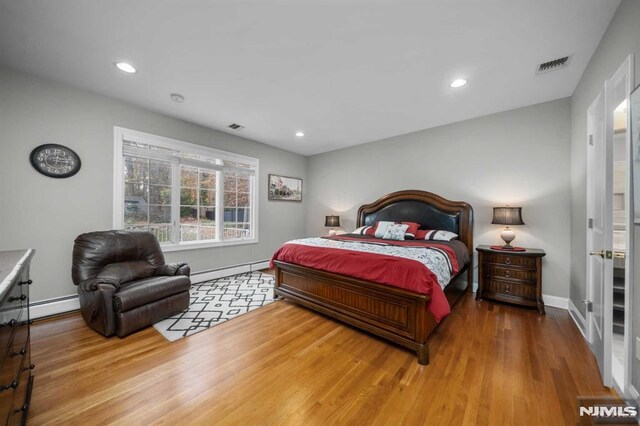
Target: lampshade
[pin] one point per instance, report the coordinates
(507, 216)
(332, 221)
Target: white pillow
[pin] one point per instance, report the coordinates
(382, 228)
(395, 232)
(440, 236)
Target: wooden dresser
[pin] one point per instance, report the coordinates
(16, 380)
(511, 276)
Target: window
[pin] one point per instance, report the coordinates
(188, 195)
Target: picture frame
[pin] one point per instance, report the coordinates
(285, 188)
(634, 110)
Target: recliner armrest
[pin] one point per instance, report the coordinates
(172, 269)
(93, 284)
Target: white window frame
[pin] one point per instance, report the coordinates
(122, 134)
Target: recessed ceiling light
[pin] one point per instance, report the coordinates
(125, 67)
(299, 134)
(458, 83)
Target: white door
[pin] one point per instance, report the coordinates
(599, 235)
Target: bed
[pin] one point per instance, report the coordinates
(396, 314)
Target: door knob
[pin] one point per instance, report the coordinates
(597, 253)
(619, 254)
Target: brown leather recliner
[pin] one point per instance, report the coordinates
(123, 282)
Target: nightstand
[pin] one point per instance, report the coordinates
(511, 276)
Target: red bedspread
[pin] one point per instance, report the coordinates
(387, 269)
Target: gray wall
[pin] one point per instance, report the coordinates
(621, 38)
(519, 157)
(47, 214)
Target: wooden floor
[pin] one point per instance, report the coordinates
(282, 364)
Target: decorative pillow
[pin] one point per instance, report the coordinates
(411, 230)
(381, 228)
(436, 235)
(363, 230)
(395, 231)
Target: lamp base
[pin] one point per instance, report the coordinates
(508, 248)
(332, 232)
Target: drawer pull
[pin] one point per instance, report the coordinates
(23, 409)
(13, 385)
(507, 288)
(20, 352)
(507, 260)
(507, 274)
(11, 323)
(13, 299)
(27, 282)
(30, 367)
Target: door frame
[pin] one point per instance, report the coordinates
(626, 69)
(599, 104)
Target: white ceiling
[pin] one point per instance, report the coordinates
(343, 72)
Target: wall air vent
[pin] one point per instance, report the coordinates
(236, 126)
(554, 65)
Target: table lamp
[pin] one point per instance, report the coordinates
(332, 222)
(507, 216)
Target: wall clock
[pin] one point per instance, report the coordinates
(56, 161)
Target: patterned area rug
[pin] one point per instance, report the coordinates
(217, 301)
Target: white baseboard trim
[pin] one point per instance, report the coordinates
(61, 305)
(555, 301)
(580, 321)
(213, 274)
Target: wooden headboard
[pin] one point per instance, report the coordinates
(431, 211)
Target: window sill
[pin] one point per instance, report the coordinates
(166, 248)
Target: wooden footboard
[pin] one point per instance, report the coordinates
(389, 312)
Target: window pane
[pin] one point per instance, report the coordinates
(188, 214)
(162, 232)
(136, 192)
(229, 182)
(159, 194)
(243, 184)
(229, 216)
(160, 214)
(188, 177)
(136, 169)
(243, 200)
(229, 199)
(188, 197)
(207, 233)
(188, 232)
(207, 215)
(207, 180)
(207, 198)
(159, 172)
(135, 213)
(244, 215)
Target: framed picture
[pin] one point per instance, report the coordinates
(284, 188)
(635, 151)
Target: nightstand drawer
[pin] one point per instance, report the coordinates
(527, 291)
(510, 260)
(492, 270)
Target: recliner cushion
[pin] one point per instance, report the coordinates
(122, 272)
(137, 293)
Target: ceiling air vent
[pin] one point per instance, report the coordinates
(236, 126)
(556, 64)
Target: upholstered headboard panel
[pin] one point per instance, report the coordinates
(429, 210)
(429, 216)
